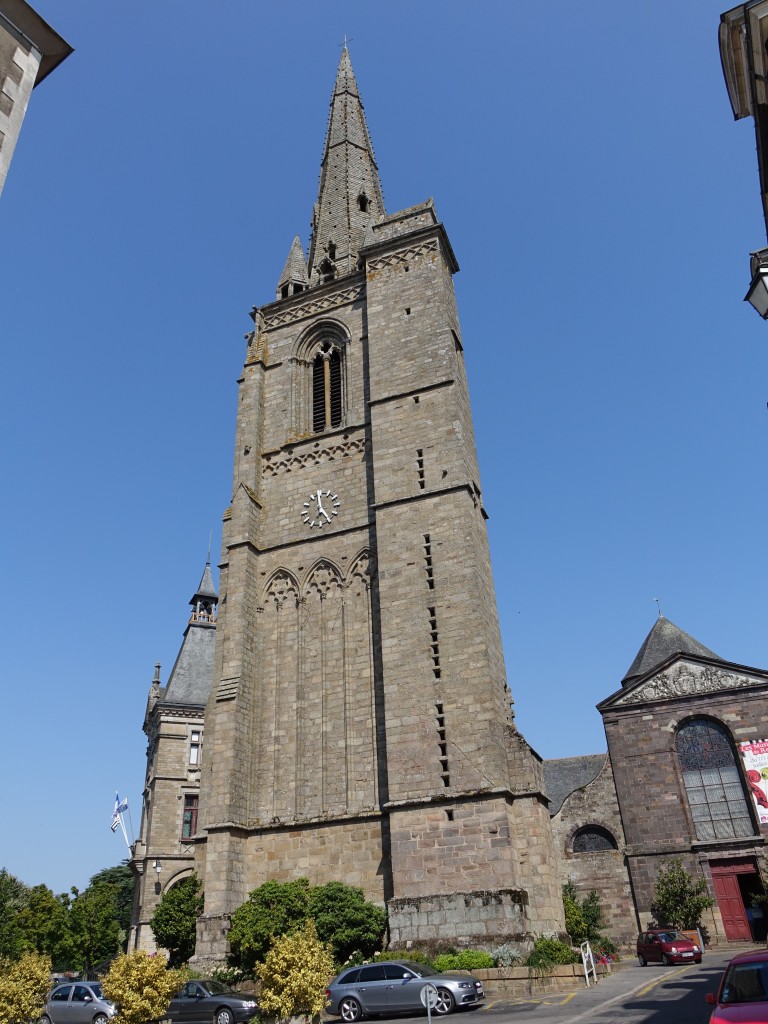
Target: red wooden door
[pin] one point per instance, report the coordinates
(731, 906)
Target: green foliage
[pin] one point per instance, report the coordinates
(583, 918)
(44, 924)
(344, 919)
(575, 922)
(24, 984)
(123, 879)
(549, 953)
(418, 956)
(142, 986)
(295, 974)
(13, 897)
(94, 926)
(174, 922)
(507, 955)
(466, 960)
(679, 900)
(275, 908)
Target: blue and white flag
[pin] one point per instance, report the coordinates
(120, 807)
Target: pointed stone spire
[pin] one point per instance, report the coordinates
(350, 193)
(294, 278)
(664, 640)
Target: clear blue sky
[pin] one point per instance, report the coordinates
(602, 203)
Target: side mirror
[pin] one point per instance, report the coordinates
(88, 999)
(710, 998)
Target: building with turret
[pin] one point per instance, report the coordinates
(163, 855)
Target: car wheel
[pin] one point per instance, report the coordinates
(350, 1010)
(44, 1020)
(665, 960)
(643, 961)
(224, 1016)
(100, 1018)
(444, 1002)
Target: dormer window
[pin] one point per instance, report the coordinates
(327, 270)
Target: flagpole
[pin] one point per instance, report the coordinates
(125, 834)
(130, 822)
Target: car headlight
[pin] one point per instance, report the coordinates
(695, 948)
(249, 1004)
(673, 949)
(465, 984)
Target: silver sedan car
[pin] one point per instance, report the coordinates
(396, 986)
(79, 1002)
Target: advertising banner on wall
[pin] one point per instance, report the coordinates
(755, 754)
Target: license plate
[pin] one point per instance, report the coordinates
(687, 954)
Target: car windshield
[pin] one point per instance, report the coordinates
(419, 969)
(671, 936)
(216, 988)
(95, 987)
(745, 983)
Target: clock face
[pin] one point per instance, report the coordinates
(320, 509)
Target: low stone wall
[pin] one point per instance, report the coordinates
(509, 982)
(478, 919)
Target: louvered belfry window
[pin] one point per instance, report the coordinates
(326, 389)
(712, 781)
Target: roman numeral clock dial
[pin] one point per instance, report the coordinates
(320, 508)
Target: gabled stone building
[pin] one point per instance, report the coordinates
(174, 724)
(683, 778)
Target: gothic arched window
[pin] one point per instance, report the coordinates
(326, 388)
(593, 838)
(712, 780)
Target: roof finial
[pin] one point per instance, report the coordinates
(344, 44)
(658, 605)
(210, 538)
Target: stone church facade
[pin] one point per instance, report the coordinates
(356, 718)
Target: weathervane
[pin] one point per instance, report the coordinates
(658, 605)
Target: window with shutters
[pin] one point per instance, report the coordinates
(326, 388)
(713, 782)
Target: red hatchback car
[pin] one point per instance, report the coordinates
(666, 946)
(743, 994)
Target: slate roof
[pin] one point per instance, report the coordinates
(664, 640)
(564, 775)
(206, 587)
(192, 675)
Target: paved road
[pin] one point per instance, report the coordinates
(634, 995)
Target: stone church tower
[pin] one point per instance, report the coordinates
(359, 727)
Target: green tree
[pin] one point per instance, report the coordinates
(44, 924)
(94, 926)
(295, 974)
(679, 900)
(346, 920)
(142, 986)
(13, 896)
(123, 879)
(575, 923)
(275, 908)
(174, 922)
(23, 987)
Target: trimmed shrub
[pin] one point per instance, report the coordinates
(466, 960)
(24, 984)
(142, 986)
(550, 953)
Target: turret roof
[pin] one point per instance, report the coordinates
(664, 640)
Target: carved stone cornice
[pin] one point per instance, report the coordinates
(687, 679)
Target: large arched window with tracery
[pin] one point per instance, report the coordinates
(713, 782)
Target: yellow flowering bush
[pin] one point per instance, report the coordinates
(295, 975)
(142, 986)
(24, 985)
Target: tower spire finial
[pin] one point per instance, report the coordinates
(350, 192)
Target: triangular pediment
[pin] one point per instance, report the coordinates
(686, 676)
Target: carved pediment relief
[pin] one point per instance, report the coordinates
(687, 679)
